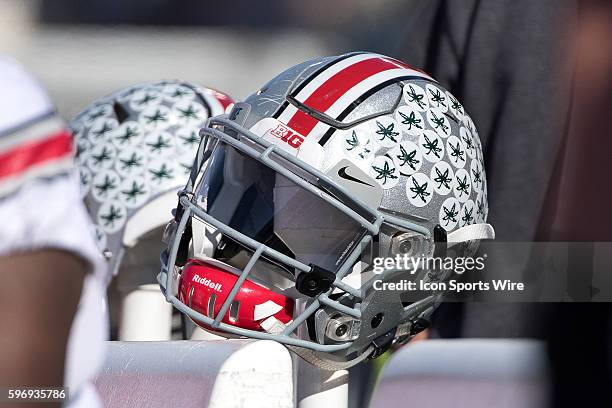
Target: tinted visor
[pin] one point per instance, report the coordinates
(264, 205)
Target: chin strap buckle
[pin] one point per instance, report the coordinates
(383, 343)
(418, 325)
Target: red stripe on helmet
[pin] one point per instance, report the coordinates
(404, 65)
(336, 86)
(223, 99)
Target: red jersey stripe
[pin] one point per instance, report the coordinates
(22, 158)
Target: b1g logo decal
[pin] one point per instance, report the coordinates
(287, 135)
(280, 135)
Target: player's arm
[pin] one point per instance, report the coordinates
(40, 293)
(44, 255)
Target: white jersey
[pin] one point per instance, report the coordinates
(39, 193)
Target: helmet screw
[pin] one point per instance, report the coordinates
(314, 282)
(405, 247)
(341, 330)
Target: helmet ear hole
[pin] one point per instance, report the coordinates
(377, 320)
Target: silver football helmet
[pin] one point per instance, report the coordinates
(333, 163)
(134, 150)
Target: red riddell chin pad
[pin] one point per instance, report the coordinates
(211, 287)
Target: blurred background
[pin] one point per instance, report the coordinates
(84, 49)
(535, 76)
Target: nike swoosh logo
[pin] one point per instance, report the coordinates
(342, 173)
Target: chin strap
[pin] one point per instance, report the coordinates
(470, 233)
(326, 361)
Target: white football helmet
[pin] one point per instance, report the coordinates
(333, 163)
(135, 149)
